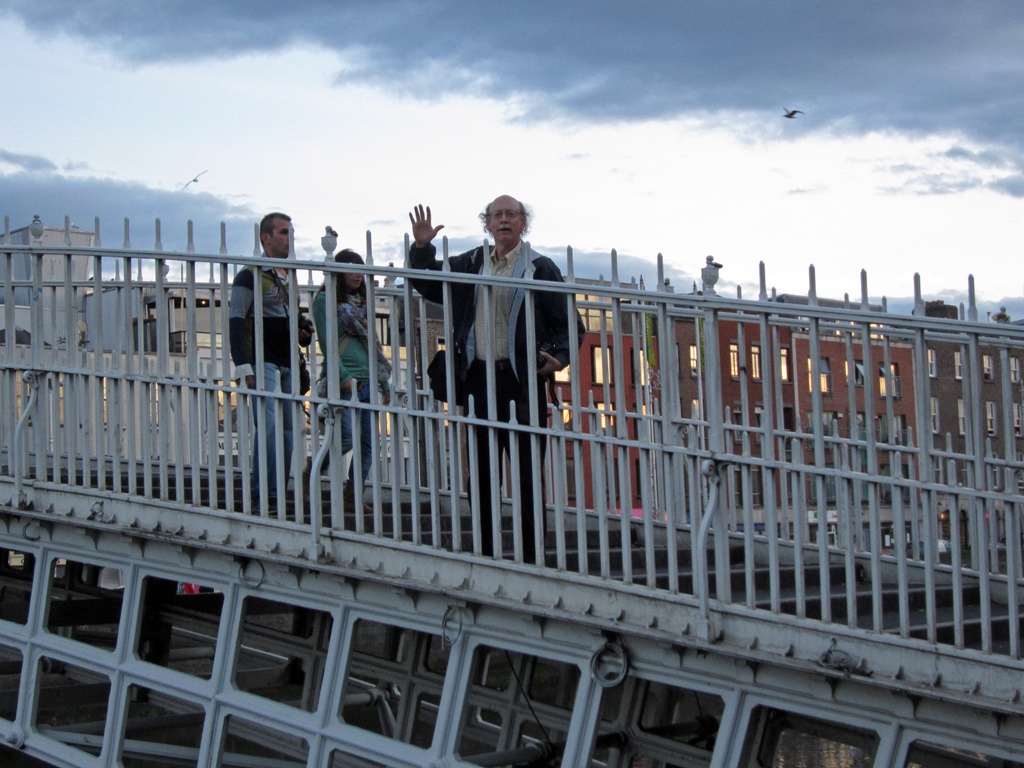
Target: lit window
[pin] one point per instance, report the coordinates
(784, 364)
(889, 384)
(958, 367)
(694, 360)
(1015, 370)
(824, 376)
(734, 360)
(986, 366)
(599, 360)
(755, 362)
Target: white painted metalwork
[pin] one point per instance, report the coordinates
(781, 496)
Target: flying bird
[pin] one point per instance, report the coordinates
(791, 113)
(195, 180)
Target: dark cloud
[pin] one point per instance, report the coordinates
(54, 196)
(28, 163)
(1011, 185)
(914, 66)
(984, 158)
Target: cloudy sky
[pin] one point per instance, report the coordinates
(645, 127)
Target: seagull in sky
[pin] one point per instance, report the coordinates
(791, 113)
(195, 180)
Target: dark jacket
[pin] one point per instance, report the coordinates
(277, 342)
(551, 309)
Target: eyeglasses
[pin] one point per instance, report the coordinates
(506, 214)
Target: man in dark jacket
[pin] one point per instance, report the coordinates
(275, 237)
(494, 327)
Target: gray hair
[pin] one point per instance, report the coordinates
(524, 210)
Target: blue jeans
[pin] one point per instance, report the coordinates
(350, 431)
(275, 379)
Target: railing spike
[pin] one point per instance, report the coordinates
(67, 230)
(918, 301)
(7, 230)
(223, 239)
(158, 245)
(812, 293)
(96, 233)
(615, 267)
(127, 240)
(972, 304)
(570, 269)
(762, 281)
(864, 302)
(189, 245)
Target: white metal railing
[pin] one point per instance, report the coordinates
(115, 376)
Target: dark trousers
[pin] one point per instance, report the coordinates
(508, 390)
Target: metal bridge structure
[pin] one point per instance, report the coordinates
(759, 537)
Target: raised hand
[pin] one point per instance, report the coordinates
(423, 230)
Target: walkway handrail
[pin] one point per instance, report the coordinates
(802, 465)
(327, 414)
(710, 469)
(19, 459)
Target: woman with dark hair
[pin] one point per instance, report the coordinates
(354, 360)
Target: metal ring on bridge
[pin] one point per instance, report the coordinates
(609, 665)
(456, 612)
